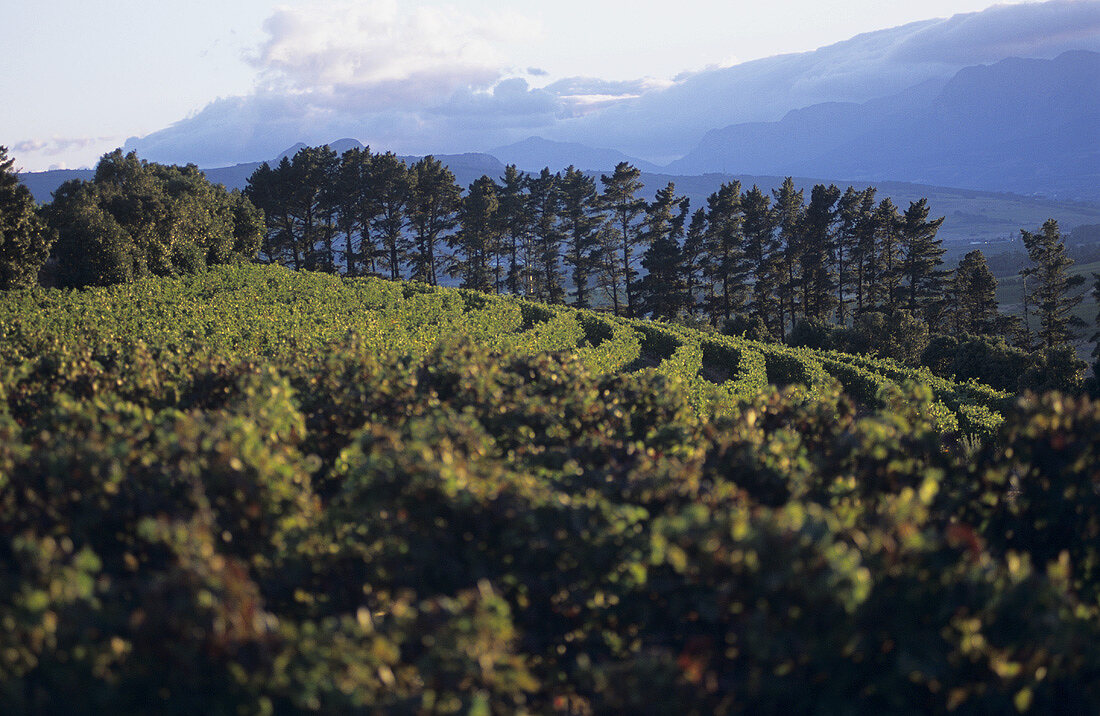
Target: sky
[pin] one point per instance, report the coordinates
(80, 77)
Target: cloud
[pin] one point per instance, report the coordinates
(376, 44)
(664, 123)
(1033, 30)
(434, 79)
(57, 145)
(413, 80)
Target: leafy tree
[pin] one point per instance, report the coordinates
(581, 220)
(620, 198)
(269, 189)
(92, 248)
(922, 253)
(299, 199)
(24, 241)
(1052, 292)
(154, 219)
(476, 238)
(433, 213)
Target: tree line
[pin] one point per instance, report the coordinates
(837, 269)
(133, 219)
(763, 261)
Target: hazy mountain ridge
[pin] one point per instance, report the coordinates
(1019, 125)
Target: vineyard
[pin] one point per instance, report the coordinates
(254, 490)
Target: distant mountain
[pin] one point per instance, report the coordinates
(1018, 125)
(339, 146)
(534, 153)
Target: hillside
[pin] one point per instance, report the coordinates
(256, 490)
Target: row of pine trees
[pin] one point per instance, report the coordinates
(772, 259)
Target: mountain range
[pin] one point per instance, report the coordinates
(1020, 125)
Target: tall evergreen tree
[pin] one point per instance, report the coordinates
(547, 237)
(1053, 288)
(515, 221)
(885, 288)
(24, 241)
(846, 248)
(727, 268)
(922, 256)
(818, 280)
(693, 260)
(313, 205)
(356, 209)
(620, 198)
(765, 260)
(433, 213)
(864, 256)
(581, 220)
(391, 185)
(476, 238)
(661, 291)
(790, 214)
(269, 190)
(976, 297)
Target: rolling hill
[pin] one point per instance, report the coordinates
(252, 489)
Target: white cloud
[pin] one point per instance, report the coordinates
(58, 145)
(377, 44)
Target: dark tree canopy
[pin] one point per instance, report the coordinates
(24, 241)
(137, 218)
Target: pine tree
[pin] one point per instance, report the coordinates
(762, 252)
(24, 241)
(885, 288)
(976, 297)
(313, 205)
(269, 190)
(356, 209)
(818, 280)
(1052, 290)
(661, 291)
(864, 256)
(846, 248)
(726, 263)
(476, 238)
(693, 259)
(546, 238)
(391, 185)
(581, 220)
(433, 213)
(922, 257)
(514, 216)
(620, 198)
(789, 216)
